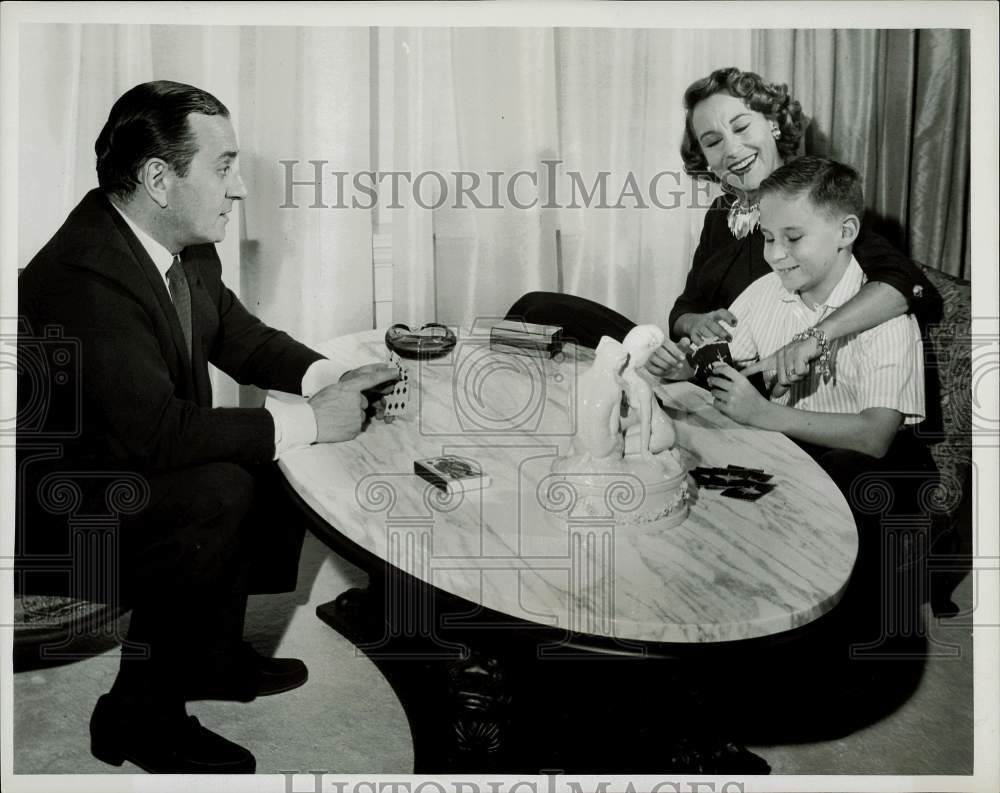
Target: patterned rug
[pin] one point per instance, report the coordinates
(59, 625)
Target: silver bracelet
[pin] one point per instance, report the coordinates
(823, 362)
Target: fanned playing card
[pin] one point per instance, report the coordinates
(715, 352)
(703, 357)
(397, 399)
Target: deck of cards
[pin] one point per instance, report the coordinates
(452, 473)
(735, 481)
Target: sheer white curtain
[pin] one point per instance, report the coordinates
(470, 100)
(594, 100)
(70, 75)
(294, 93)
(305, 97)
(418, 100)
(621, 110)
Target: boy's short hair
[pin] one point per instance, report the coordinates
(831, 186)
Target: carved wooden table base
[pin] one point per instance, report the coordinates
(482, 701)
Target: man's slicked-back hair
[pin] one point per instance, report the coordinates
(150, 120)
(831, 186)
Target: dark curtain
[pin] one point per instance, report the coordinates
(895, 105)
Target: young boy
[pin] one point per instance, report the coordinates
(810, 216)
(851, 418)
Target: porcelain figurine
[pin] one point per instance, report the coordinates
(599, 394)
(648, 429)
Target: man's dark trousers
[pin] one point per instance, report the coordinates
(210, 535)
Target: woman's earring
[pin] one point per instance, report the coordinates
(775, 132)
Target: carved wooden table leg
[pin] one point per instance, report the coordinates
(480, 699)
(476, 707)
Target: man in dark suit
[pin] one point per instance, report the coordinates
(133, 279)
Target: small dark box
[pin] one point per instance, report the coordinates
(526, 338)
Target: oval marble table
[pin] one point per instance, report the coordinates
(734, 570)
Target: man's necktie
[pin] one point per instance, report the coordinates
(181, 296)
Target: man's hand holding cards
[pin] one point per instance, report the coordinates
(387, 398)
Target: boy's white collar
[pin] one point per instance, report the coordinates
(847, 287)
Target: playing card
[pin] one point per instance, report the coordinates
(709, 482)
(748, 492)
(388, 400)
(732, 476)
(396, 400)
(751, 474)
(710, 478)
(708, 354)
(702, 358)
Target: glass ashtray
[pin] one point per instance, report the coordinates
(432, 340)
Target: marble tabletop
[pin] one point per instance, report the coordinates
(733, 570)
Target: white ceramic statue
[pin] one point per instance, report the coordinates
(648, 429)
(623, 463)
(606, 431)
(599, 395)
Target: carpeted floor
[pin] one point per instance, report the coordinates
(347, 720)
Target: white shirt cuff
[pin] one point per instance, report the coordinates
(294, 422)
(320, 374)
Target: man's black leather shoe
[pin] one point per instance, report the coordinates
(252, 675)
(169, 745)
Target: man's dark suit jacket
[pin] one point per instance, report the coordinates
(137, 405)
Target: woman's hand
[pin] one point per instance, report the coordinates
(669, 361)
(791, 363)
(701, 328)
(736, 397)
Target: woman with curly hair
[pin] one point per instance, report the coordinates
(738, 130)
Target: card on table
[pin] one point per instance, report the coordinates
(734, 481)
(753, 474)
(749, 492)
(730, 476)
(709, 478)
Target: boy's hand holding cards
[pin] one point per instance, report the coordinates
(704, 356)
(707, 355)
(734, 481)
